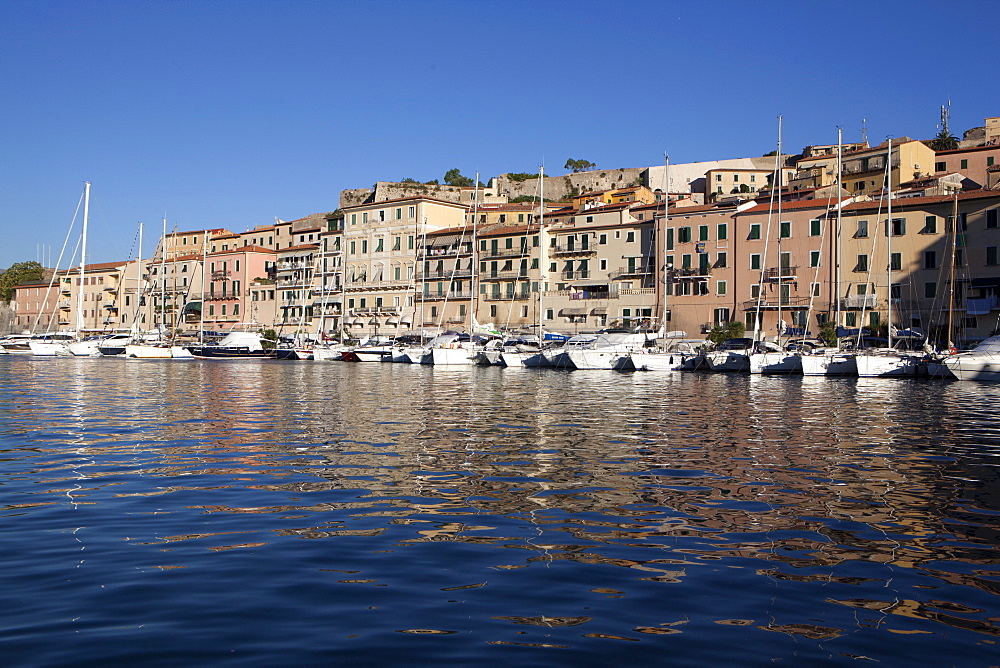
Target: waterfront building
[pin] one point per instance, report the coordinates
(601, 268)
(230, 273)
(328, 288)
(697, 287)
(380, 256)
(972, 163)
(294, 275)
(33, 306)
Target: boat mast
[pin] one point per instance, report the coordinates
(472, 279)
(204, 262)
(543, 245)
(781, 269)
(839, 247)
(888, 244)
(163, 279)
(83, 259)
(666, 224)
(951, 279)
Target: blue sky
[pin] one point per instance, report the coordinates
(230, 113)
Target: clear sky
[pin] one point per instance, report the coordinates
(224, 113)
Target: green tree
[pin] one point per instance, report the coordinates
(453, 177)
(579, 165)
(18, 273)
(735, 330)
(828, 332)
(409, 180)
(944, 141)
(268, 339)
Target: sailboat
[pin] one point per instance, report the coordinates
(887, 362)
(156, 349)
(834, 362)
(58, 345)
(768, 360)
(528, 354)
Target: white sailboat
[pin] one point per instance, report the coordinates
(158, 349)
(887, 362)
(762, 360)
(51, 347)
(834, 362)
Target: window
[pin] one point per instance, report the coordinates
(895, 262)
(815, 228)
(686, 261)
(755, 261)
(930, 260)
(378, 245)
(814, 289)
(754, 231)
(898, 226)
(964, 164)
(353, 247)
(862, 264)
(603, 239)
(862, 230)
(703, 233)
(721, 232)
(991, 255)
(991, 218)
(940, 166)
(813, 258)
(754, 291)
(930, 225)
(930, 290)
(411, 211)
(989, 163)
(785, 229)
(959, 257)
(720, 287)
(683, 235)
(721, 260)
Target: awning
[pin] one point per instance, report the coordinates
(600, 310)
(392, 321)
(193, 306)
(573, 311)
(985, 283)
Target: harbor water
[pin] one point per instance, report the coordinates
(179, 512)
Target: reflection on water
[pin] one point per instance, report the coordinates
(268, 512)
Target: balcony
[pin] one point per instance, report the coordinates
(859, 301)
(436, 296)
(774, 274)
(509, 274)
(504, 252)
(575, 275)
(572, 249)
(220, 275)
(624, 272)
(788, 303)
(689, 273)
(372, 311)
(511, 297)
(443, 274)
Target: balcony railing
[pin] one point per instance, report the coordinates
(443, 274)
(453, 294)
(504, 252)
(510, 273)
(859, 301)
(688, 273)
(565, 250)
(516, 296)
(783, 273)
(571, 275)
(790, 303)
(631, 271)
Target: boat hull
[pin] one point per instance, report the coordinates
(886, 366)
(836, 364)
(775, 362)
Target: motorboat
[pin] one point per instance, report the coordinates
(606, 348)
(236, 345)
(980, 363)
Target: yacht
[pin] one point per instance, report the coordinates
(980, 363)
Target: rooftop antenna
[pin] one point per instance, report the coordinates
(864, 130)
(945, 117)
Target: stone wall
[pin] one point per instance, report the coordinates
(566, 186)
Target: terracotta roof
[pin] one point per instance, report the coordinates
(299, 247)
(971, 149)
(920, 201)
(244, 249)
